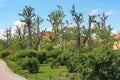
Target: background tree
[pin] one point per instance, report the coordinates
(91, 20)
(56, 20)
(8, 36)
(20, 37)
(37, 33)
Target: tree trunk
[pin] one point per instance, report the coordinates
(30, 36)
(78, 37)
(86, 40)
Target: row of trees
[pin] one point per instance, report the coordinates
(82, 34)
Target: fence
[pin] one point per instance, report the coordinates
(35, 76)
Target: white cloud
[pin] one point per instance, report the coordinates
(95, 11)
(1, 3)
(49, 29)
(13, 28)
(17, 23)
(114, 32)
(108, 12)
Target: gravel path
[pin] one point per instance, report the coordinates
(7, 74)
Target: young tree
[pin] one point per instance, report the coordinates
(78, 19)
(28, 14)
(8, 36)
(37, 33)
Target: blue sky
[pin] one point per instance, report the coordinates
(9, 10)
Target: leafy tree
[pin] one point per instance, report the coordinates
(56, 20)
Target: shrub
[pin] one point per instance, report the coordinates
(102, 64)
(23, 62)
(26, 53)
(4, 53)
(31, 64)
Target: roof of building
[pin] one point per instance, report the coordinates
(117, 36)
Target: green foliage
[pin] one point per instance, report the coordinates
(27, 59)
(52, 58)
(5, 53)
(42, 57)
(31, 64)
(54, 63)
(26, 53)
(73, 63)
(64, 57)
(101, 64)
(54, 53)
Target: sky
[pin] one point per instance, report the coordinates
(9, 10)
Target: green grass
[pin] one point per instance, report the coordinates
(45, 72)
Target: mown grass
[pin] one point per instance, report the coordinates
(45, 72)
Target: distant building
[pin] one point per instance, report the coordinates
(117, 43)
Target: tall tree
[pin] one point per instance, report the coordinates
(78, 19)
(56, 20)
(28, 14)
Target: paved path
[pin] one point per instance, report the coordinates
(7, 74)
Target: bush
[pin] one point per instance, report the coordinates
(4, 53)
(26, 53)
(27, 59)
(101, 65)
(31, 64)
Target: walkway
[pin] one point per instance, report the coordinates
(7, 74)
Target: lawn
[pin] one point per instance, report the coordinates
(45, 72)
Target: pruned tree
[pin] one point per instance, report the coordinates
(56, 19)
(28, 14)
(78, 19)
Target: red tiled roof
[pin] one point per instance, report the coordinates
(46, 36)
(117, 36)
